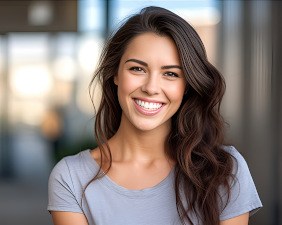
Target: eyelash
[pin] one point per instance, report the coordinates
(171, 74)
(136, 69)
(140, 69)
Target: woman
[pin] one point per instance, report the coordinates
(160, 157)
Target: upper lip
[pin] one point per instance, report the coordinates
(150, 100)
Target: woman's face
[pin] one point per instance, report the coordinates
(150, 82)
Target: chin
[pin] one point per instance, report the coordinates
(149, 126)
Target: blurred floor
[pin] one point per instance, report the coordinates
(23, 204)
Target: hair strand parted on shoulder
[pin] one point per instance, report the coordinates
(195, 142)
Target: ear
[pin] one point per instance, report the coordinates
(116, 80)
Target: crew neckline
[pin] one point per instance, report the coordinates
(167, 182)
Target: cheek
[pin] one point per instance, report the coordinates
(124, 89)
(128, 84)
(176, 93)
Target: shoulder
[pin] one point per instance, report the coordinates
(243, 196)
(74, 171)
(67, 182)
(240, 166)
(241, 173)
(233, 152)
(70, 164)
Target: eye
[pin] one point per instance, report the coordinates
(171, 74)
(136, 69)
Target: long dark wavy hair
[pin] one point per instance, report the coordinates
(195, 141)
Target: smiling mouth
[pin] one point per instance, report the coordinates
(150, 106)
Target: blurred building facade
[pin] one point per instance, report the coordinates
(250, 55)
(49, 53)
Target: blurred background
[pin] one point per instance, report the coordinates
(48, 53)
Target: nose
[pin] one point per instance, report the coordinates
(151, 85)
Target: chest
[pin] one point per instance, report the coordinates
(105, 203)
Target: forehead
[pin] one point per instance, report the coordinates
(152, 46)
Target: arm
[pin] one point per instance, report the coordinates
(68, 218)
(238, 220)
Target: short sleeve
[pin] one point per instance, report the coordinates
(61, 192)
(243, 197)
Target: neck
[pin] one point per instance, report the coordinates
(129, 143)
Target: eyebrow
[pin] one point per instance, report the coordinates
(146, 64)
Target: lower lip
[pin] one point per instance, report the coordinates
(147, 112)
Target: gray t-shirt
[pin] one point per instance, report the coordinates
(106, 203)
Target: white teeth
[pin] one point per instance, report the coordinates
(148, 105)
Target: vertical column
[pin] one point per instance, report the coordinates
(276, 68)
(230, 57)
(251, 50)
(5, 150)
(107, 8)
(258, 132)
